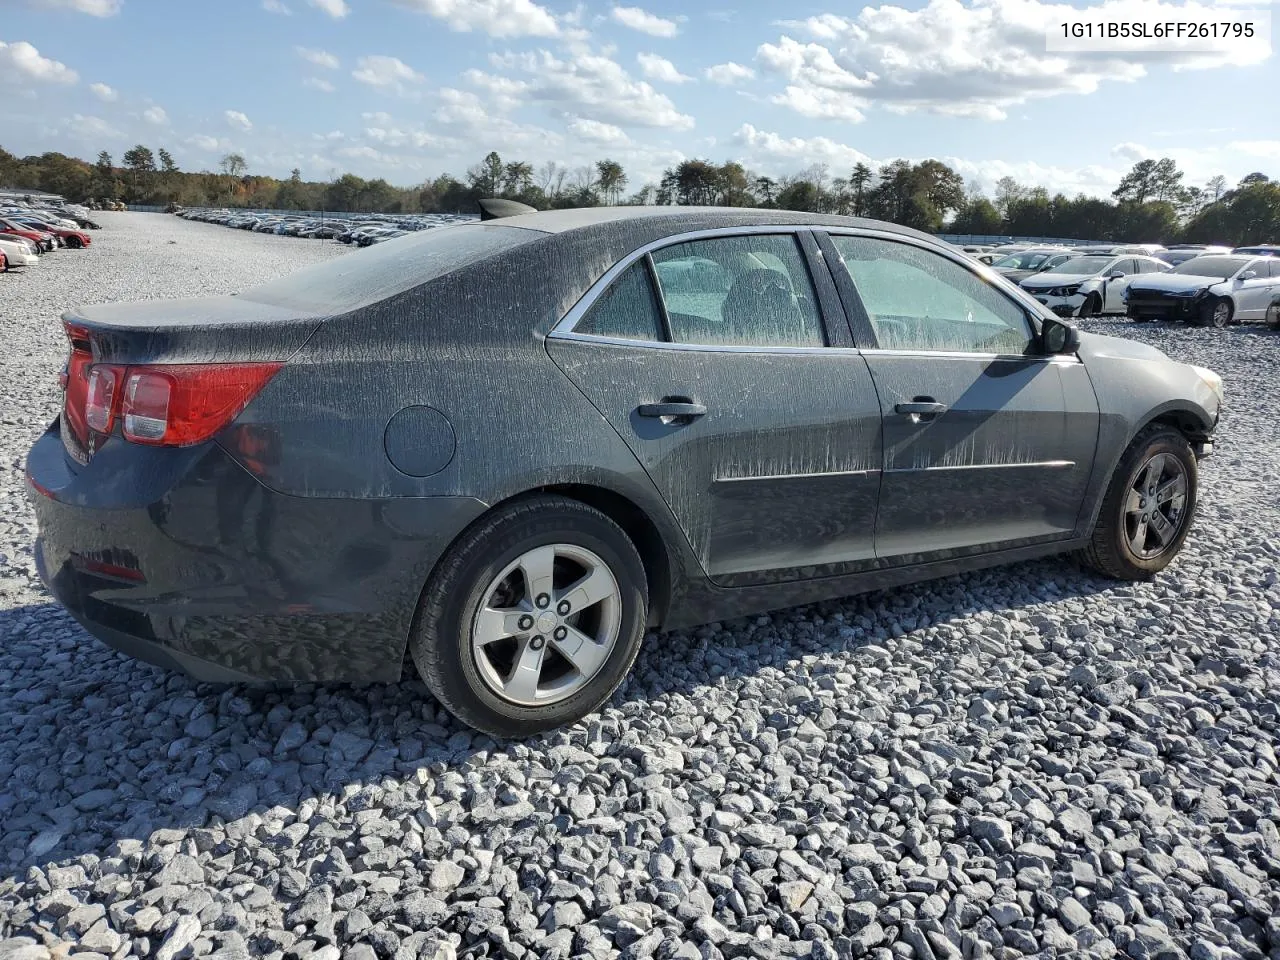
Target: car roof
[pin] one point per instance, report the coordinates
(679, 219)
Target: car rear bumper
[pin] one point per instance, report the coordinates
(225, 579)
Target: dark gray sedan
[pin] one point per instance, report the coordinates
(513, 448)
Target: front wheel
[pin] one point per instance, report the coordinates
(1147, 511)
(533, 618)
(1091, 307)
(1216, 313)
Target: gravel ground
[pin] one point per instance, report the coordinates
(1028, 761)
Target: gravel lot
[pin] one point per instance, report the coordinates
(1029, 761)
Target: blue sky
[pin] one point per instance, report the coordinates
(407, 89)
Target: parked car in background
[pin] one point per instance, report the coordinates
(1018, 266)
(45, 240)
(1090, 285)
(340, 491)
(1214, 289)
(18, 252)
(1264, 250)
(74, 238)
(1176, 257)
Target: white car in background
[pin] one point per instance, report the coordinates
(1090, 284)
(1211, 290)
(19, 252)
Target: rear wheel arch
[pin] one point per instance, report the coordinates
(641, 530)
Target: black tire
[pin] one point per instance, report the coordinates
(73, 243)
(1091, 307)
(440, 642)
(1216, 313)
(1109, 551)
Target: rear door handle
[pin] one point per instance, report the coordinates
(677, 410)
(919, 408)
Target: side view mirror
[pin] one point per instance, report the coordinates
(1115, 274)
(1059, 337)
(1248, 275)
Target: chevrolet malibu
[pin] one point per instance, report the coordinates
(506, 451)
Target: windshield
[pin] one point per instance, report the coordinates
(337, 286)
(1083, 265)
(1220, 267)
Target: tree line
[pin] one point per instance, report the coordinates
(1153, 202)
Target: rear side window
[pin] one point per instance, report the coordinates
(375, 273)
(747, 290)
(628, 310)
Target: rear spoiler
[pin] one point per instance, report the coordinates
(494, 208)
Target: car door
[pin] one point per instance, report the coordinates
(758, 424)
(1113, 290)
(1254, 295)
(988, 443)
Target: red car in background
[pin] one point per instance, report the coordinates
(72, 238)
(41, 238)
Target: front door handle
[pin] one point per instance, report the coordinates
(674, 409)
(920, 408)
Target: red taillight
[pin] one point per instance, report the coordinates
(162, 404)
(181, 404)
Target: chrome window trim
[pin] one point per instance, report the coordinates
(564, 328)
(573, 336)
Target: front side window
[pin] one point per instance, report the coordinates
(920, 300)
(740, 290)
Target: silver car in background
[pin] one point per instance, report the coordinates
(1090, 285)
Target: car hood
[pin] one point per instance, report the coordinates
(1045, 280)
(1174, 284)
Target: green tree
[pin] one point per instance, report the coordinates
(800, 195)
(978, 216)
(859, 183)
(610, 179)
(487, 176)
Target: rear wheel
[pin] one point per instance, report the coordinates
(1147, 511)
(533, 618)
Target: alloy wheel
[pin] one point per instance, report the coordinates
(1221, 313)
(548, 623)
(1155, 509)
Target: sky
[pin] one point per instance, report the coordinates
(409, 89)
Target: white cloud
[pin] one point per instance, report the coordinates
(155, 115)
(642, 20)
(321, 58)
(498, 18)
(91, 128)
(597, 132)
(22, 61)
(970, 59)
(587, 85)
(317, 83)
(275, 6)
(95, 8)
(334, 8)
(660, 68)
(238, 120)
(727, 74)
(388, 73)
(203, 142)
(103, 92)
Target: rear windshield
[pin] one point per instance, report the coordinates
(366, 276)
(1221, 267)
